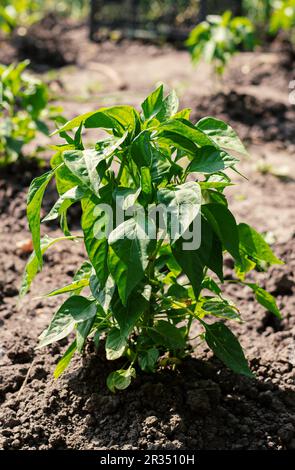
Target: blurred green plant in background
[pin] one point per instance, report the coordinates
(271, 16)
(283, 16)
(24, 110)
(268, 16)
(258, 11)
(16, 13)
(218, 38)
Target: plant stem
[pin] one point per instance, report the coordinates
(192, 316)
(189, 324)
(121, 169)
(148, 318)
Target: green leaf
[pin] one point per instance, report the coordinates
(96, 339)
(160, 167)
(166, 334)
(183, 114)
(107, 147)
(147, 360)
(178, 291)
(253, 244)
(103, 294)
(34, 202)
(168, 108)
(122, 117)
(128, 197)
(78, 138)
(214, 184)
(116, 118)
(220, 308)
(210, 284)
(88, 166)
(130, 246)
(120, 379)
(142, 149)
(214, 197)
(193, 262)
(244, 265)
(75, 309)
(183, 204)
(65, 179)
(226, 347)
(65, 360)
(83, 272)
(183, 134)
(32, 266)
(225, 227)
(265, 299)
(210, 160)
(152, 104)
(64, 202)
(72, 287)
(128, 316)
(166, 259)
(192, 265)
(222, 135)
(95, 224)
(116, 344)
(82, 332)
(145, 154)
(215, 258)
(146, 185)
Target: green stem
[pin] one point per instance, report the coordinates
(189, 324)
(71, 237)
(148, 317)
(187, 310)
(121, 169)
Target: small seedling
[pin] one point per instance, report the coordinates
(16, 13)
(24, 110)
(218, 38)
(20, 14)
(282, 16)
(151, 282)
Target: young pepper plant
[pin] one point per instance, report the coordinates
(24, 110)
(282, 17)
(145, 289)
(218, 38)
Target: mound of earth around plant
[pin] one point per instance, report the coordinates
(200, 406)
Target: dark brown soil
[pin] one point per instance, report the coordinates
(203, 405)
(47, 42)
(256, 119)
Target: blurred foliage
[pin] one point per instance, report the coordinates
(218, 38)
(271, 16)
(23, 110)
(258, 11)
(15, 13)
(178, 11)
(267, 15)
(283, 15)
